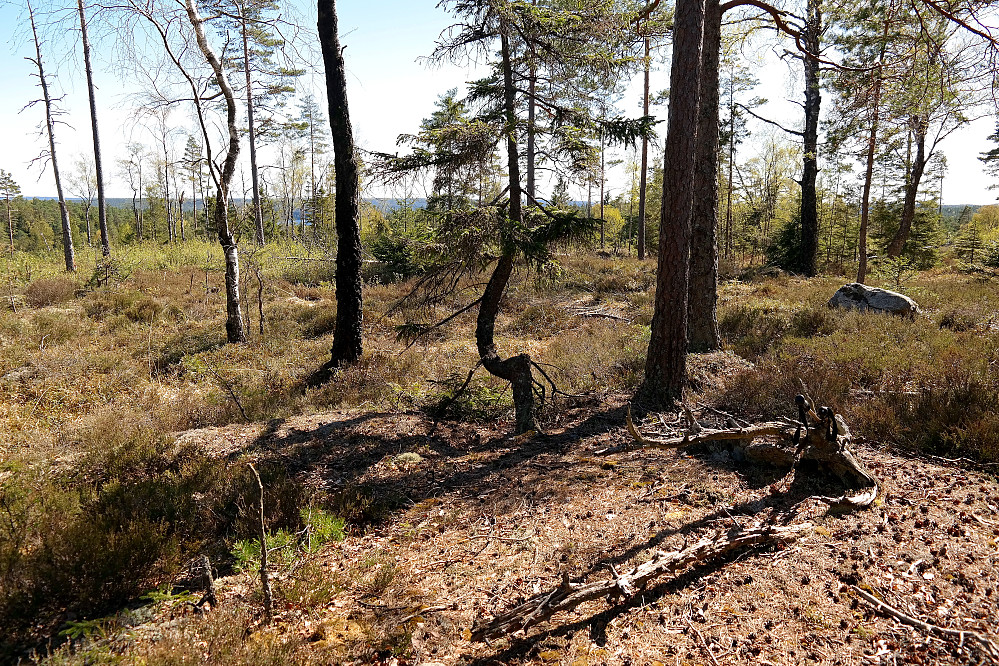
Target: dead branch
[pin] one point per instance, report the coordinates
(265, 583)
(568, 595)
(982, 643)
(708, 434)
(601, 314)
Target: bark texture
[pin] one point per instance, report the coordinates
(702, 303)
(810, 165)
(347, 341)
(666, 363)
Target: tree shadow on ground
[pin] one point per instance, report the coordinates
(461, 459)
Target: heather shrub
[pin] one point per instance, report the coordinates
(50, 291)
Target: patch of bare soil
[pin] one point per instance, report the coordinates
(477, 522)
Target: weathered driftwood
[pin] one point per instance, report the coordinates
(974, 639)
(825, 443)
(568, 596)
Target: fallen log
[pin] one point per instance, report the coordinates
(568, 595)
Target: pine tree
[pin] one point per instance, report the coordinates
(9, 189)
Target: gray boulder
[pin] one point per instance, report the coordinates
(861, 297)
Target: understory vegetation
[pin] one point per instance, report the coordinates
(103, 499)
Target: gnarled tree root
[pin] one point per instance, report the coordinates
(568, 596)
(826, 443)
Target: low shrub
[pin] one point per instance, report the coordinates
(540, 320)
(130, 303)
(50, 291)
(753, 330)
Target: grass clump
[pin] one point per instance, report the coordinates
(129, 303)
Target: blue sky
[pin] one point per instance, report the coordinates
(390, 90)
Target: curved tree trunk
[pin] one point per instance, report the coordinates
(234, 327)
(102, 218)
(69, 253)
(666, 363)
(517, 369)
(810, 165)
(347, 341)
(702, 303)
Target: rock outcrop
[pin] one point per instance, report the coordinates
(861, 297)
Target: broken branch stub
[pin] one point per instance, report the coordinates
(568, 595)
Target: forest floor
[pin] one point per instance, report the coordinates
(485, 520)
(127, 426)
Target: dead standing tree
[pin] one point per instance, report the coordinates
(50, 113)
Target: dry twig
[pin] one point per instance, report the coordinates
(987, 647)
(265, 583)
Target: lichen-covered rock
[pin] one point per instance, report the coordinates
(861, 297)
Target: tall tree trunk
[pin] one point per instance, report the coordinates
(86, 220)
(915, 175)
(666, 363)
(102, 218)
(872, 146)
(347, 340)
(258, 215)
(729, 242)
(702, 304)
(180, 211)
(138, 211)
(603, 153)
(166, 190)
(69, 253)
(810, 166)
(234, 326)
(531, 113)
(643, 181)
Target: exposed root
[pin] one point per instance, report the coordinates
(819, 435)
